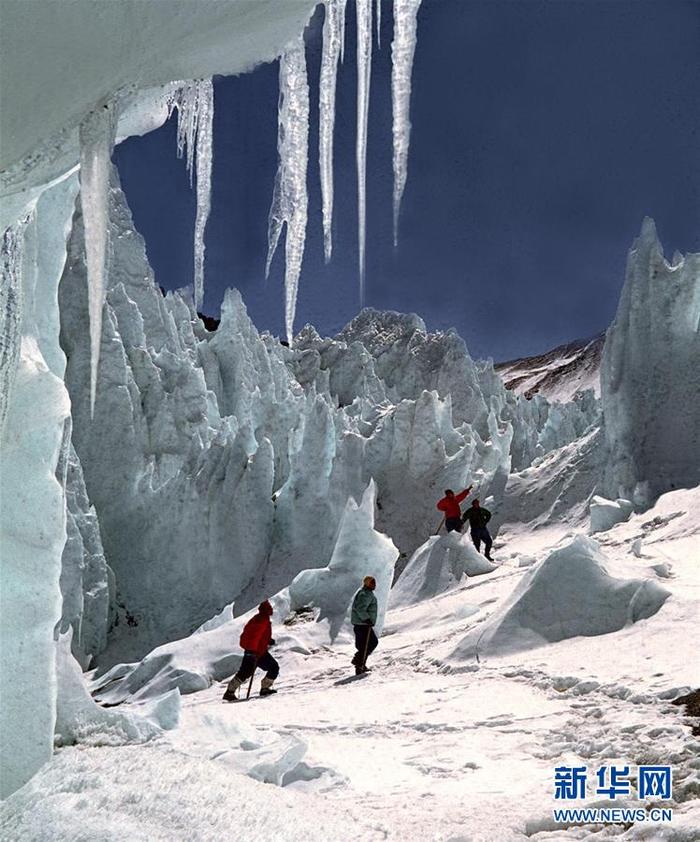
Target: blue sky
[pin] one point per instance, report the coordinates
(543, 133)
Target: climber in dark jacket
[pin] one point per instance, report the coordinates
(363, 618)
(478, 517)
(450, 506)
(255, 639)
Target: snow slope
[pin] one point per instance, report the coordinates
(558, 374)
(425, 747)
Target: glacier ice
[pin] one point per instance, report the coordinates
(567, 595)
(32, 516)
(219, 458)
(333, 36)
(650, 379)
(290, 198)
(364, 75)
(195, 121)
(403, 49)
(87, 582)
(80, 720)
(436, 567)
(11, 257)
(96, 141)
(606, 513)
(359, 551)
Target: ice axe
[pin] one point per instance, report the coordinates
(440, 527)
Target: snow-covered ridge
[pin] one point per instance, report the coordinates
(558, 374)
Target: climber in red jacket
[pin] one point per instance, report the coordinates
(450, 506)
(255, 639)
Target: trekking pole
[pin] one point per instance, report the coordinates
(250, 683)
(364, 654)
(440, 527)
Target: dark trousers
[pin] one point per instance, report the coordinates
(248, 666)
(453, 524)
(364, 636)
(480, 534)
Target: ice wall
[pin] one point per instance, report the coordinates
(87, 582)
(32, 524)
(650, 378)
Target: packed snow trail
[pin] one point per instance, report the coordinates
(96, 142)
(290, 198)
(403, 49)
(333, 36)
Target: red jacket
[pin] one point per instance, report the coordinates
(450, 505)
(257, 634)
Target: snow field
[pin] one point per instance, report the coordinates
(424, 747)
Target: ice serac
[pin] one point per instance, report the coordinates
(438, 566)
(569, 594)
(195, 120)
(403, 49)
(364, 73)
(32, 516)
(290, 198)
(359, 551)
(650, 378)
(96, 141)
(87, 583)
(333, 35)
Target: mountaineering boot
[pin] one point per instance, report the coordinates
(266, 687)
(233, 685)
(361, 670)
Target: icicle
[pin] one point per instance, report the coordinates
(364, 70)
(96, 141)
(204, 161)
(195, 118)
(186, 100)
(341, 29)
(379, 23)
(290, 199)
(332, 41)
(11, 255)
(402, 51)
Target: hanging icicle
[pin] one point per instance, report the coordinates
(96, 142)
(11, 259)
(204, 163)
(332, 40)
(364, 71)
(290, 199)
(379, 23)
(403, 49)
(195, 119)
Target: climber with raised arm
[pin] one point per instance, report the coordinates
(478, 517)
(363, 618)
(450, 506)
(255, 640)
